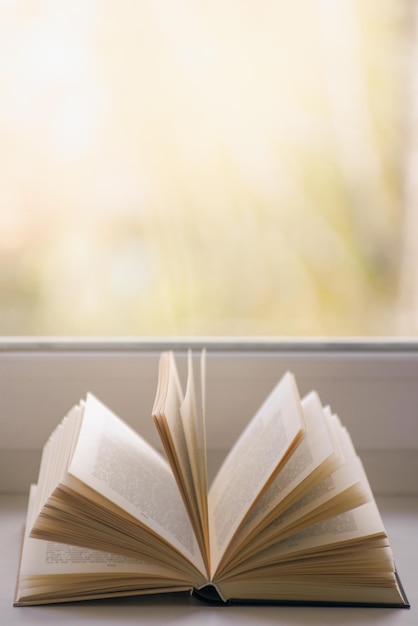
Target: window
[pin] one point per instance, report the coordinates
(220, 168)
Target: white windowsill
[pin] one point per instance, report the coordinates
(372, 385)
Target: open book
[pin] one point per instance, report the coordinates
(288, 518)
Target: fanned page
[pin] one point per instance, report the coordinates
(345, 559)
(56, 572)
(313, 458)
(323, 477)
(192, 412)
(356, 529)
(180, 424)
(259, 453)
(115, 471)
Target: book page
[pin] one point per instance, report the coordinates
(117, 463)
(56, 455)
(192, 413)
(51, 572)
(324, 466)
(180, 425)
(314, 456)
(253, 462)
(50, 558)
(167, 418)
(336, 494)
(345, 487)
(361, 525)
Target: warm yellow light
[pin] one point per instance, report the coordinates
(191, 162)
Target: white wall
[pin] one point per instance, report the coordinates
(372, 386)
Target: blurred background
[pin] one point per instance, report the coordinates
(186, 167)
